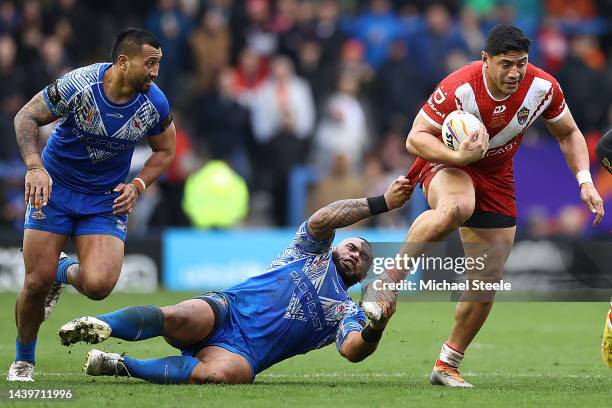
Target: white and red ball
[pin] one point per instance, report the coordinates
(457, 127)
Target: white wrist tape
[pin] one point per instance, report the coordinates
(584, 176)
(142, 183)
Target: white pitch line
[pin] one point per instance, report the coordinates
(390, 375)
(362, 375)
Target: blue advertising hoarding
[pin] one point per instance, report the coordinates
(204, 260)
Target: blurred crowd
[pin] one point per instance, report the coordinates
(296, 102)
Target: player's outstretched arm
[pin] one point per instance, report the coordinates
(164, 147)
(574, 149)
(34, 114)
(339, 214)
(360, 344)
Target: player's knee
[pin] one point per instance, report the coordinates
(174, 317)
(215, 377)
(452, 214)
(97, 291)
(37, 285)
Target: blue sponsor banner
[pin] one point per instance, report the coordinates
(204, 260)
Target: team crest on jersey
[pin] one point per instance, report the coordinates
(34, 214)
(522, 115)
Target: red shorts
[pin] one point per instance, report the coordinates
(495, 205)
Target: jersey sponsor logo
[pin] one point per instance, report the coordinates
(114, 145)
(114, 115)
(501, 150)
(499, 109)
(33, 214)
(522, 115)
(120, 225)
(439, 96)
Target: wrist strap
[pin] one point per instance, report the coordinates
(140, 182)
(370, 335)
(377, 204)
(584, 176)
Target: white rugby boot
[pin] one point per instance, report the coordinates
(101, 363)
(87, 329)
(20, 371)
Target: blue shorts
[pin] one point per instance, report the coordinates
(72, 213)
(226, 333)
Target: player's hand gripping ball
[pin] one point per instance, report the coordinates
(457, 127)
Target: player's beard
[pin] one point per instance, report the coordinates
(348, 278)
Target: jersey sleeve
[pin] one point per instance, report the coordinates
(440, 103)
(307, 244)
(163, 108)
(557, 107)
(58, 94)
(353, 320)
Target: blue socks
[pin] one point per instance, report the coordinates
(135, 322)
(144, 322)
(167, 370)
(62, 269)
(26, 352)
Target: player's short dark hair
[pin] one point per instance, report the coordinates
(505, 38)
(130, 42)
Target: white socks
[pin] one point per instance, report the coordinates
(450, 356)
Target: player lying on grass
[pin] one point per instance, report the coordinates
(299, 304)
(604, 153)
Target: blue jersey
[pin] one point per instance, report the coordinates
(91, 148)
(299, 304)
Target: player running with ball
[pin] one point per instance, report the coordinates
(472, 189)
(76, 188)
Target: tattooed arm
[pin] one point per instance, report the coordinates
(323, 223)
(27, 121)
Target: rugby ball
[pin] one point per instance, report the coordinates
(457, 126)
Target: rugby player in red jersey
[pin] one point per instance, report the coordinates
(473, 188)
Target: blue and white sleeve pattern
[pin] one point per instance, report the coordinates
(305, 243)
(158, 99)
(60, 93)
(354, 320)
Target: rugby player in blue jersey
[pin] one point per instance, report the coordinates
(300, 303)
(77, 188)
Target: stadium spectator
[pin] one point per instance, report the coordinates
(222, 125)
(587, 62)
(210, 48)
(376, 28)
(343, 129)
(439, 38)
(250, 74)
(283, 119)
(258, 35)
(399, 90)
(327, 32)
(341, 182)
(172, 27)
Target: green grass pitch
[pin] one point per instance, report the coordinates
(528, 354)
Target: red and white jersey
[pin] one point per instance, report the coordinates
(507, 119)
